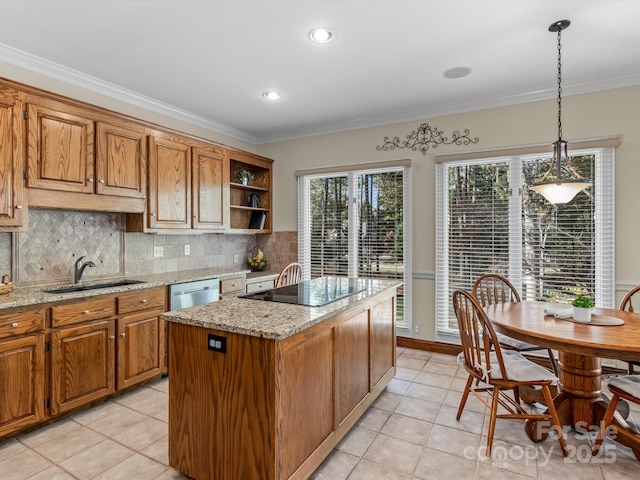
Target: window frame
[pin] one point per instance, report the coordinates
(604, 224)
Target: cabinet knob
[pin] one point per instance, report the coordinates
(152, 214)
(18, 207)
(144, 300)
(86, 312)
(112, 337)
(123, 334)
(14, 325)
(101, 180)
(90, 180)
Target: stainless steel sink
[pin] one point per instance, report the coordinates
(81, 288)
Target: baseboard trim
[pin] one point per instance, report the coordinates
(429, 345)
(452, 349)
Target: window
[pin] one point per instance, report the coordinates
(356, 224)
(489, 221)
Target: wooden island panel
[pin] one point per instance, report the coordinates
(271, 409)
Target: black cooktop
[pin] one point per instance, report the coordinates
(312, 293)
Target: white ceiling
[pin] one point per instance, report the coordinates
(209, 61)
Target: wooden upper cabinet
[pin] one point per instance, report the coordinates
(121, 160)
(210, 188)
(60, 148)
(169, 184)
(11, 159)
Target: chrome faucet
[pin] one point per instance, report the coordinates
(79, 269)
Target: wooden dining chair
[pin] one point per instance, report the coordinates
(627, 305)
(492, 288)
(289, 275)
(625, 387)
(497, 372)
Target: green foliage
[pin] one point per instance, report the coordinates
(583, 302)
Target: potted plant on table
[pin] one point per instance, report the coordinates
(582, 307)
(245, 176)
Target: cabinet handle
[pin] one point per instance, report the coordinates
(18, 207)
(112, 337)
(101, 180)
(144, 300)
(123, 334)
(86, 312)
(90, 180)
(14, 325)
(152, 214)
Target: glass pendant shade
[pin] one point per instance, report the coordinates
(560, 192)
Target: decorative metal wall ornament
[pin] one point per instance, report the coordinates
(427, 136)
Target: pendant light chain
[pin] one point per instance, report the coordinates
(559, 86)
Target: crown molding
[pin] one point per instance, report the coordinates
(59, 72)
(455, 108)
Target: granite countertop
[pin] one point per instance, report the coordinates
(271, 319)
(25, 296)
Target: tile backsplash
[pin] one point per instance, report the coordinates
(57, 238)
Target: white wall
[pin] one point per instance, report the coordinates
(603, 114)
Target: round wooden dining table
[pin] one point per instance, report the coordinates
(580, 347)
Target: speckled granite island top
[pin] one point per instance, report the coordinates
(272, 319)
(25, 296)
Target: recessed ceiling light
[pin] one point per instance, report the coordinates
(321, 35)
(457, 72)
(272, 95)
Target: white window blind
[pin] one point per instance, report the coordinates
(357, 224)
(489, 221)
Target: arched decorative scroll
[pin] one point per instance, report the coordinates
(427, 136)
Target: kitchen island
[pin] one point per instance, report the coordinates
(265, 390)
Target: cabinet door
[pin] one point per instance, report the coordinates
(21, 382)
(121, 160)
(60, 149)
(352, 363)
(383, 339)
(169, 184)
(210, 189)
(82, 364)
(11, 160)
(141, 347)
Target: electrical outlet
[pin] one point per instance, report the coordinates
(236, 258)
(158, 251)
(416, 328)
(187, 249)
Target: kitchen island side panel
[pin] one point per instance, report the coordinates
(221, 405)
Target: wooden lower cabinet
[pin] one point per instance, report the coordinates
(274, 409)
(22, 385)
(141, 347)
(82, 364)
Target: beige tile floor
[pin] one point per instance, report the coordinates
(410, 433)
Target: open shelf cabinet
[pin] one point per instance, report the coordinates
(239, 194)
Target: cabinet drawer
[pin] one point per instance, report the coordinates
(142, 300)
(235, 284)
(259, 286)
(81, 312)
(12, 324)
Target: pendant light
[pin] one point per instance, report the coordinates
(558, 190)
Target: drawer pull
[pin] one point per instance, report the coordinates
(144, 300)
(123, 335)
(19, 207)
(86, 312)
(14, 325)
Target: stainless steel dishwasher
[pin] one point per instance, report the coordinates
(189, 294)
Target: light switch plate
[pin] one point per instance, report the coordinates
(158, 251)
(236, 258)
(187, 249)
